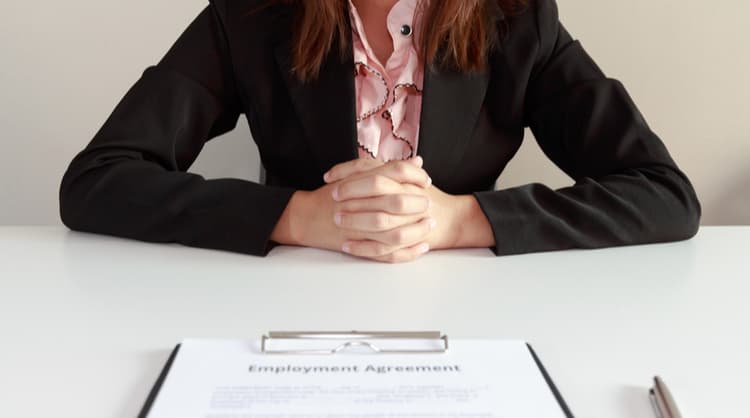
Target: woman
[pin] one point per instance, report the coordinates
(382, 126)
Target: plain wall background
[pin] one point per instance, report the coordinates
(66, 64)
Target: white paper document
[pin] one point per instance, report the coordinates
(473, 379)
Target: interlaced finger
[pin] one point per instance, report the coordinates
(374, 221)
(396, 204)
(383, 243)
(346, 169)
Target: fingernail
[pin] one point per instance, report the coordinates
(423, 248)
(337, 219)
(419, 161)
(433, 223)
(429, 181)
(335, 193)
(326, 176)
(347, 247)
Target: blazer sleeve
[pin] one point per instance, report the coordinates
(131, 179)
(627, 189)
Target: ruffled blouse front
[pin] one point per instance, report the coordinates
(388, 97)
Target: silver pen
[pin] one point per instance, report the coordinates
(662, 400)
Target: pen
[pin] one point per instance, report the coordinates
(662, 400)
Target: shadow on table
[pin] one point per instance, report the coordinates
(633, 402)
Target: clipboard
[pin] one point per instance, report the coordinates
(348, 340)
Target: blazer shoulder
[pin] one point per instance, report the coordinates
(532, 31)
(536, 16)
(244, 9)
(249, 20)
(251, 4)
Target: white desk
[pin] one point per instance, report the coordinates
(86, 322)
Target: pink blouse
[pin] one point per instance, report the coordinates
(388, 97)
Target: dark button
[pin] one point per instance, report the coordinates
(406, 30)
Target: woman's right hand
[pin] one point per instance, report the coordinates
(392, 217)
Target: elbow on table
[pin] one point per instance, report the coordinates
(76, 210)
(687, 225)
(683, 220)
(70, 208)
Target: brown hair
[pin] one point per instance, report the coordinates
(459, 35)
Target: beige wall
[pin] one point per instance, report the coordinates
(65, 64)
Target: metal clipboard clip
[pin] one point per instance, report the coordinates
(335, 341)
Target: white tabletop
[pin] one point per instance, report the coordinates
(86, 322)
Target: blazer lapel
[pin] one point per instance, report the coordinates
(325, 106)
(451, 103)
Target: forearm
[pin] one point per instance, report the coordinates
(308, 221)
(115, 193)
(287, 229)
(472, 227)
(640, 206)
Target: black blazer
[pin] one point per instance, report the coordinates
(131, 180)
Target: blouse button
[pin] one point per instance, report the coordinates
(406, 30)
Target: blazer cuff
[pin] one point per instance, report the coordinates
(510, 223)
(244, 224)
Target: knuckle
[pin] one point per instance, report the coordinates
(359, 249)
(381, 220)
(401, 168)
(406, 256)
(392, 258)
(378, 183)
(398, 203)
(360, 164)
(382, 250)
(409, 256)
(342, 208)
(415, 190)
(372, 182)
(400, 236)
(343, 188)
(425, 203)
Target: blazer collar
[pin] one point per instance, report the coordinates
(326, 107)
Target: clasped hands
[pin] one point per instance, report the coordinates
(388, 212)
